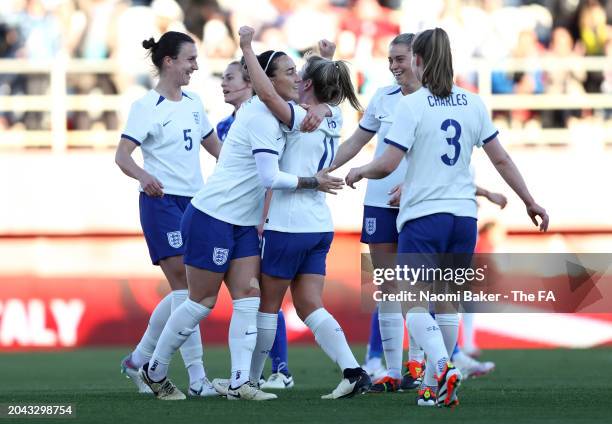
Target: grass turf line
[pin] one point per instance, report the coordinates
(560, 386)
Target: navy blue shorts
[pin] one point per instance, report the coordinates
(285, 255)
(379, 225)
(211, 243)
(160, 218)
(437, 234)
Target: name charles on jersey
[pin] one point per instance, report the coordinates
(452, 100)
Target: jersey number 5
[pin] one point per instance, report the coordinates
(187, 139)
(452, 141)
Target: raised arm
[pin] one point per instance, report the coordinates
(123, 158)
(511, 175)
(261, 83)
(351, 146)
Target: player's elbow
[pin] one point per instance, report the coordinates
(387, 167)
(118, 159)
(267, 180)
(501, 161)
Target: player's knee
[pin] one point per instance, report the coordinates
(241, 293)
(305, 308)
(208, 301)
(249, 290)
(269, 306)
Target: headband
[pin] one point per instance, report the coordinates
(270, 60)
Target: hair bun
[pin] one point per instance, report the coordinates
(149, 44)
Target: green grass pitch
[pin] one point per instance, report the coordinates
(538, 386)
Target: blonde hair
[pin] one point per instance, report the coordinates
(433, 46)
(331, 81)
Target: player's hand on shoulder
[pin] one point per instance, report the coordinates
(314, 116)
(536, 211)
(327, 49)
(395, 195)
(328, 183)
(246, 34)
(151, 185)
(353, 176)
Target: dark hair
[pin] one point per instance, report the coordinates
(433, 46)
(169, 44)
(405, 38)
(267, 61)
(331, 81)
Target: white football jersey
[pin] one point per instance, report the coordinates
(438, 136)
(169, 134)
(378, 119)
(233, 193)
(305, 211)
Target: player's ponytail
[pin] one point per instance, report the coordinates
(168, 45)
(331, 81)
(433, 46)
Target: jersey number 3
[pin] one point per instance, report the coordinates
(452, 141)
(187, 139)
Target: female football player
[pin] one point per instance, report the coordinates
(237, 89)
(168, 124)
(299, 229)
(435, 130)
(221, 241)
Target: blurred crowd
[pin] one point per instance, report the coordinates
(491, 29)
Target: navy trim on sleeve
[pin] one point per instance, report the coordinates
(489, 138)
(132, 139)
(292, 116)
(161, 99)
(185, 95)
(209, 133)
(394, 92)
(274, 152)
(393, 143)
(365, 129)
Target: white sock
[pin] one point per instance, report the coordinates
(449, 327)
(415, 353)
(427, 334)
(179, 327)
(159, 316)
(191, 350)
(468, 331)
(392, 336)
(242, 338)
(429, 379)
(266, 333)
(330, 337)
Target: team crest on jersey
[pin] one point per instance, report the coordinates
(220, 255)
(196, 117)
(370, 226)
(175, 239)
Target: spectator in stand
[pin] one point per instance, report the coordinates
(593, 31)
(563, 81)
